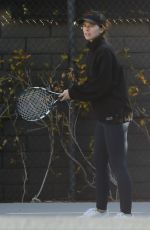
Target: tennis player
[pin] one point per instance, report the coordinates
(106, 89)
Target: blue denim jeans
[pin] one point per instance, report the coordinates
(111, 147)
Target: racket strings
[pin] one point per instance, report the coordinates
(35, 104)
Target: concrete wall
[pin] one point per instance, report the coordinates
(46, 43)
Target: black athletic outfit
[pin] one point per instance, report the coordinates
(106, 89)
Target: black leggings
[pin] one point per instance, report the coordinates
(111, 146)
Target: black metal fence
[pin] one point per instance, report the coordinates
(50, 10)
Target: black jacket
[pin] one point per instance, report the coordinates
(105, 87)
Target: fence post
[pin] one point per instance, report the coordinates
(71, 40)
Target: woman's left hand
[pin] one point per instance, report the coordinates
(64, 95)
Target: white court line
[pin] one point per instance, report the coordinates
(59, 213)
(68, 223)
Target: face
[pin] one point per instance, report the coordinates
(91, 31)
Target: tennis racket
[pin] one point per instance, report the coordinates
(35, 103)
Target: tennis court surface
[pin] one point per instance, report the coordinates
(68, 216)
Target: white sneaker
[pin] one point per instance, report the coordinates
(122, 215)
(93, 212)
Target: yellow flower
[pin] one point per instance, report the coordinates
(141, 77)
(133, 91)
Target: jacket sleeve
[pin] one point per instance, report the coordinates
(99, 83)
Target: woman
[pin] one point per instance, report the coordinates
(106, 89)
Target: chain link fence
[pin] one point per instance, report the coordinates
(47, 43)
(56, 11)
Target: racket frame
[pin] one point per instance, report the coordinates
(48, 111)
